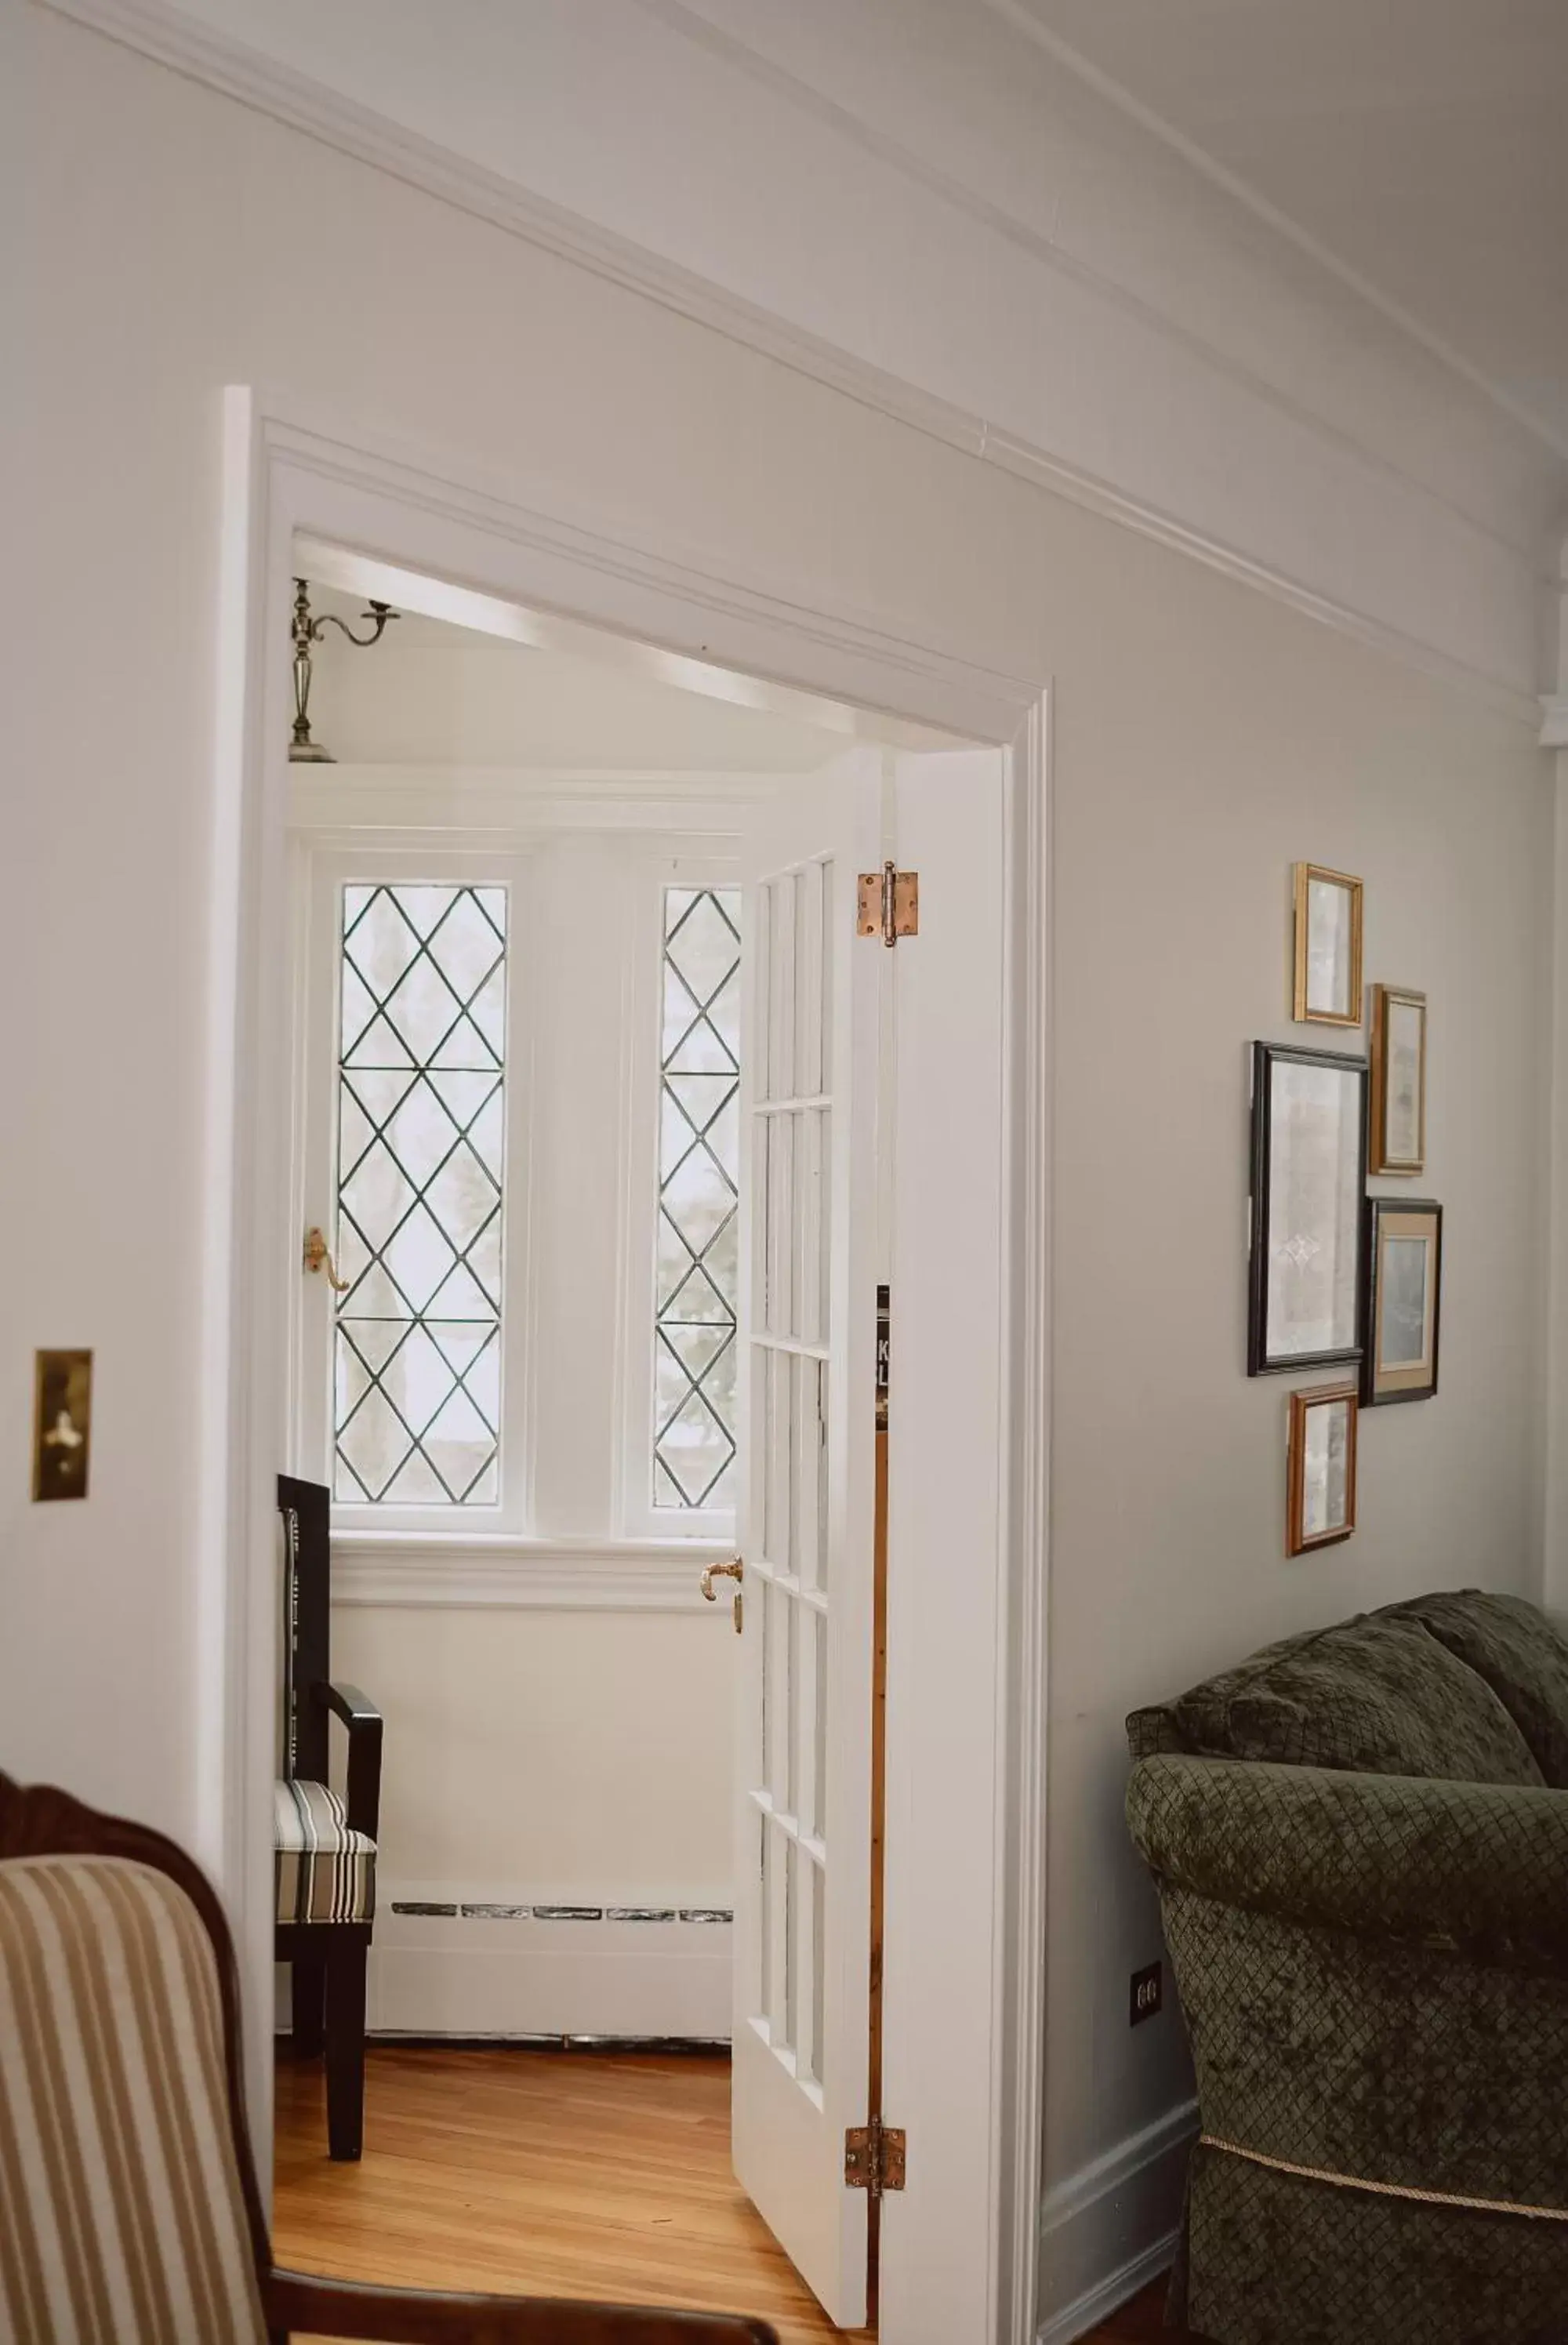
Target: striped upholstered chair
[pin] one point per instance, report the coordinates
(324, 1847)
(130, 2212)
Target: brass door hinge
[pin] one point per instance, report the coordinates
(873, 2158)
(888, 904)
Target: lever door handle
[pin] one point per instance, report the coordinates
(735, 1570)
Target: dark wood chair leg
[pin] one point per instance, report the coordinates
(346, 2048)
(309, 1987)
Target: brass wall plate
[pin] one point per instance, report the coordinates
(62, 1424)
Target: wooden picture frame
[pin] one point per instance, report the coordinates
(1404, 1300)
(1397, 1139)
(1327, 988)
(1320, 1467)
(1309, 1187)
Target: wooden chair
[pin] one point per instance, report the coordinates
(324, 1847)
(130, 2211)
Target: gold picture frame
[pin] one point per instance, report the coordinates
(1404, 1300)
(1397, 1142)
(1327, 988)
(62, 1424)
(1321, 1471)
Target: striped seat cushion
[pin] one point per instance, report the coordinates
(121, 2216)
(325, 1873)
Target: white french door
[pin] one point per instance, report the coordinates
(807, 1334)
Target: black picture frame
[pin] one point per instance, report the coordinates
(1391, 1391)
(1267, 1058)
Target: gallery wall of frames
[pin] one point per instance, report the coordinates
(1342, 1279)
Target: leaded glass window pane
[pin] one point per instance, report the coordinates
(699, 1173)
(420, 1159)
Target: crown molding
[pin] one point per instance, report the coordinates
(688, 20)
(1022, 18)
(1045, 471)
(171, 37)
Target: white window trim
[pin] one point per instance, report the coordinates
(415, 1571)
(327, 857)
(638, 1516)
(327, 868)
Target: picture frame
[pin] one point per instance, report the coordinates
(1399, 1081)
(1309, 1187)
(1404, 1300)
(62, 1424)
(1327, 990)
(1320, 1467)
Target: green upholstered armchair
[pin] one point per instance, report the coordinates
(1360, 1842)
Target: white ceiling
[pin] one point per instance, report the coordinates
(430, 693)
(1423, 144)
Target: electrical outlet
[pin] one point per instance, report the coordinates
(1148, 1996)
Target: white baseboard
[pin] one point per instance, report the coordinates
(1111, 2228)
(446, 1966)
(1099, 2303)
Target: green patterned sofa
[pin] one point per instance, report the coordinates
(1361, 1842)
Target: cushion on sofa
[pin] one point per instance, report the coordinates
(1378, 1695)
(1523, 1656)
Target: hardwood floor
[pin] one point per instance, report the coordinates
(1141, 2322)
(553, 2173)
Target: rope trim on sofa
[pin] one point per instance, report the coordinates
(1385, 2189)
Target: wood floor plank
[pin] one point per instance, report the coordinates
(1141, 2322)
(573, 2174)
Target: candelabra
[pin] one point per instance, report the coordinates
(305, 632)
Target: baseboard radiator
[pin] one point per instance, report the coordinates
(533, 1967)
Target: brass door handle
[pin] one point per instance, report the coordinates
(734, 1569)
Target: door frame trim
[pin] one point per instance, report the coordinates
(288, 469)
(1019, 2080)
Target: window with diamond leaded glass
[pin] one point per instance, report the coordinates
(420, 1161)
(699, 1173)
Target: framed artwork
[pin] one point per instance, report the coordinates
(1309, 1157)
(1328, 988)
(1404, 1296)
(62, 1424)
(1399, 1081)
(1320, 1472)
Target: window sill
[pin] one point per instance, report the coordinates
(500, 1571)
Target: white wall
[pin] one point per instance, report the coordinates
(550, 1758)
(1205, 737)
(1554, 735)
(1194, 770)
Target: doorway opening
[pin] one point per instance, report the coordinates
(882, 1141)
